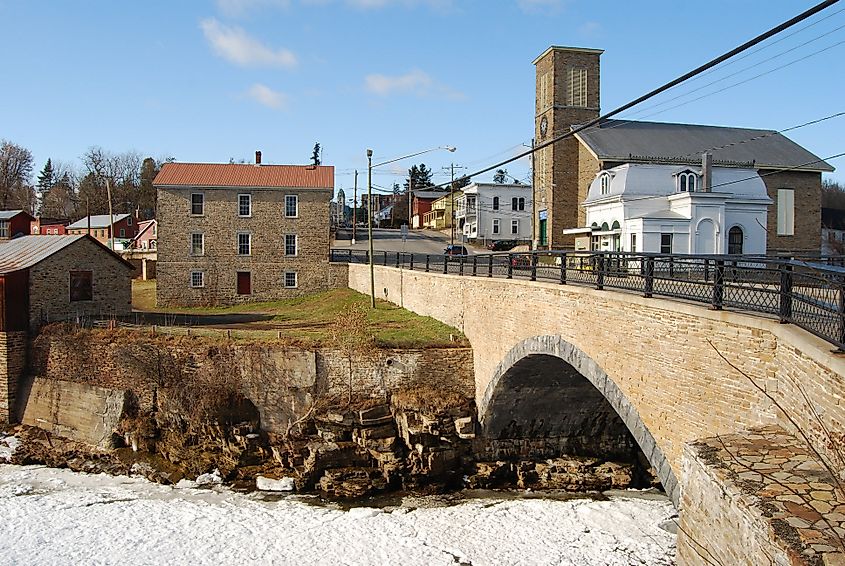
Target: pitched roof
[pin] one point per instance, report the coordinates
(97, 221)
(9, 214)
(623, 140)
(240, 175)
(26, 251)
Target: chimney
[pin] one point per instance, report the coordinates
(706, 172)
(258, 158)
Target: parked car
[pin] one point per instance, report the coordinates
(501, 245)
(455, 250)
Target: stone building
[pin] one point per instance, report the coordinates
(53, 278)
(231, 233)
(568, 94)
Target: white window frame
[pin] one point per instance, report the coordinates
(687, 182)
(295, 279)
(295, 245)
(202, 244)
(496, 228)
(123, 232)
(201, 204)
(514, 226)
(786, 212)
(296, 206)
(248, 243)
(4, 228)
(633, 243)
(192, 282)
(604, 183)
(671, 238)
(248, 205)
(129, 220)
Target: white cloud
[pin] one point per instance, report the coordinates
(414, 82)
(235, 45)
(590, 29)
(538, 6)
(235, 8)
(267, 96)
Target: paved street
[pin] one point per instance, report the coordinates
(418, 241)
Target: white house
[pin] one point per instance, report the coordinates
(493, 211)
(641, 207)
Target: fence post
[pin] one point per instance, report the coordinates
(350, 256)
(706, 270)
(461, 265)
(385, 259)
(719, 285)
(600, 273)
(563, 269)
(398, 254)
(648, 281)
(367, 256)
(510, 266)
(841, 312)
(785, 293)
(534, 266)
(427, 262)
(474, 266)
(412, 262)
(445, 264)
(490, 265)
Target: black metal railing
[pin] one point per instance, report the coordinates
(808, 292)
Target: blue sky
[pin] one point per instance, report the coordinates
(206, 81)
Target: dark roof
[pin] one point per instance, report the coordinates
(27, 251)
(833, 218)
(223, 175)
(623, 140)
(9, 214)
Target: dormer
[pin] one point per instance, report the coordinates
(604, 183)
(687, 181)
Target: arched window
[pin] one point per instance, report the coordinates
(615, 225)
(495, 203)
(687, 182)
(594, 226)
(735, 238)
(604, 180)
(604, 226)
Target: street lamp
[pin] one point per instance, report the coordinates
(370, 205)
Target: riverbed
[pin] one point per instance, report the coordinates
(55, 516)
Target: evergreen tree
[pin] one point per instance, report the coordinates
(421, 177)
(46, 178)
(315, 155)
(500, 177)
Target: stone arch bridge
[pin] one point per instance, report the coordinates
(673, 372)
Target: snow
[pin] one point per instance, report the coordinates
(8, 444)
(270, 484)
(214, 478)
(54, 516)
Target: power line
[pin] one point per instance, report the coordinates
(784, 170)
(683, 78)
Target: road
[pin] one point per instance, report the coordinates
(418, 241)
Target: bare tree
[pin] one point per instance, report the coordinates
(16, 189)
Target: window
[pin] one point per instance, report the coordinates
(633, 243)
(605, 184)
(81, 286)
(665, 243)
(514, 226)
(521, 203)
(595, 243)
(129, 220)
(735, 240)
(578, 88)
(687, 182)
(197, 244)
(291, 206)
(615, 225)
(197, 279)
(786, 212)
(4, 228)
(244, 244)
(244, 205)
(495, 203)
(514, 203)
(290, 244)
(197, 204)
(495, 225)
(123, 232)
(290, 279)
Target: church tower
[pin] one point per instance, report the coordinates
(567, 94)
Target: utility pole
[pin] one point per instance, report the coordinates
(354, 207)
(370, 225)
(111, 216)
(535, 237)
(452, 167)
(410, 197)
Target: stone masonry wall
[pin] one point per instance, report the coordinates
(49, 284)
(267, 263)
(657, 352)
(279, 379)
(13, 347)
(807, 187)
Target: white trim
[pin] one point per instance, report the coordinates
(295, 279)
(191, 205)
(191, 279)
(238, 243)
(295, 245)
(285, 211)
(249, 204)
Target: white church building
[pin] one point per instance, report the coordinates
(660, 208)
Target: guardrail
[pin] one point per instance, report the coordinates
(809, 293)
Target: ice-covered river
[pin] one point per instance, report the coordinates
(51, 516)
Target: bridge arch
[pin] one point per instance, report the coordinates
(553, 354)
